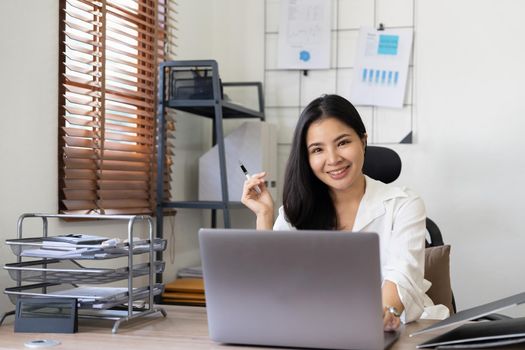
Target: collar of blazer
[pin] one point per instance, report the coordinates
(373, 204)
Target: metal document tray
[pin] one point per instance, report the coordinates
(49, 266)
(34, 247)
(69, 271)
(104, 298)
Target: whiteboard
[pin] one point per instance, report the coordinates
(288, 91)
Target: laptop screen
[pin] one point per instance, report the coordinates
(319, 289)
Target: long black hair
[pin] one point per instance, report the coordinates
(306, 199)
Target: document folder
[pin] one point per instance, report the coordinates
(476, 312)
(483, 334)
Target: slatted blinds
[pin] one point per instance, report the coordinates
(109, 54)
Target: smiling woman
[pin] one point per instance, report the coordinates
(319, 177)
(325, 188)
(336, 157)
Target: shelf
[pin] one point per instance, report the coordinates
(69, 271)
(97, 298)
(194, 86)
(206, 108)
(37, 247)
(202, 204)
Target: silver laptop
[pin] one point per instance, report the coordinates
(310, 289)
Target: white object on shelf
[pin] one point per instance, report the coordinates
(253, 143)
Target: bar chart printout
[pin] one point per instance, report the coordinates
(381, 67)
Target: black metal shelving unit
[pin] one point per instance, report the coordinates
(194, 86)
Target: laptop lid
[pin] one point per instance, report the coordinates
(463, 316)
(317, 289)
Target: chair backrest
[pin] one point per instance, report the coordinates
(436, 239)
(381, 163)
(384, 164)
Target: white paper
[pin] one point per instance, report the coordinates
(304, 34)
(59, 253)
(76, 238)
(381, 67)
(89, 293)
(97, 252)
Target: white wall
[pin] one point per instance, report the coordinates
(28, 100)
(466, 161)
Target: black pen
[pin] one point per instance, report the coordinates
(257, 189)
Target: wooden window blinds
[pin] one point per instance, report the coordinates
(109, 54)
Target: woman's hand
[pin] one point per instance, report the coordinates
(260, 203)
(391, 300)
(391, 322)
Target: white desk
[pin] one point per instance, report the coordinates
(184, 328)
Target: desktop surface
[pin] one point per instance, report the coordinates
(184, 328)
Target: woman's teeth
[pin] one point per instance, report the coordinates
(338, 171)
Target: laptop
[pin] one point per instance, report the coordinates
(308, 289)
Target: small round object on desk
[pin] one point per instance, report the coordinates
(41, 343)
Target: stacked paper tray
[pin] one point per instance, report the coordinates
(69, 271)
(88, 297)
(39, 247)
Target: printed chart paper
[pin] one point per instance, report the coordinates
(304, 34)
(381, 67)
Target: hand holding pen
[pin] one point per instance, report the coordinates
(257, 198)
(248, 177)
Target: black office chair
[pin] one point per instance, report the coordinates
(384, 164)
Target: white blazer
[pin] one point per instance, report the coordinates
(398, 215)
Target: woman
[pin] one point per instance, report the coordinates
(325, 188)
